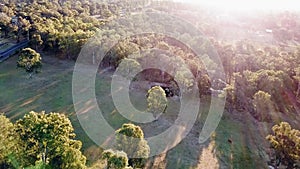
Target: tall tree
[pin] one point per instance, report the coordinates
(128, 67)
(157, 101)
(115, 159)
(130, 139)
(286, 143)
(297, 78)
(30, 60)
(5, 24)
(10, 147)
(263, 105)
(185, 78)
(50, 138)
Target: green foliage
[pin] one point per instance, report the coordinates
(128, 68)
(125, 48)
(297, 72)
(275, 83)
(115, 159)
(185, 79)
(130, 139)
(163, 46)
(156, 50)
(157, 101)
(5, 25)
(250, 68)
(297, 78)
(59, 26)
(286, 143)
(269, 80)
(30, 60)
(49, 138)
(263, 105)
(204, 84)
(130, 130)
(39, 165)
(10, 147)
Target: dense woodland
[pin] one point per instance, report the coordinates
(261, 77)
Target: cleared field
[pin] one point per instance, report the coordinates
(51, 90)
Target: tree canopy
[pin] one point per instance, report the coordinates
(157, 101)
(40, 139)
(115, 159)
(50, 138)
(10, 146)
(130, 139)
(286, 143)
(263, 105)
(30, 60)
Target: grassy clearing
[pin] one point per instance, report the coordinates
(19, 94)
(235, 144)
(47, 91)
(51, 90)
(234, 154)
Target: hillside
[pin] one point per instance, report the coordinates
(227, 78)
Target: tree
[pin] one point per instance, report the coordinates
(229, 90)
(130, 139)
(276, 83)
(10, 147)
(52, 22)
(263, 105)
(297, 78)
(50, 138)
(115, 159)
(204, 84)
(30, 60)
(122, 50)
(185, 78)
(23, 28)
(36, 40)
(128, 68)
(39, 165)
(157, 101)
(286, 143)
(5, 24)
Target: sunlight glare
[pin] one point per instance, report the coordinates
(246, 5)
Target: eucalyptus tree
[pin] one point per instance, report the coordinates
(50, 138)
(157, 101)
(115, 159)
(30, 60)
(130, 139)
(11, 151)
(263, 105)
(286, 143)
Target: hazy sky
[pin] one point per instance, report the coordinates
(250, 4)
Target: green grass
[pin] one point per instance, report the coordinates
(51, 90)
(229, 152)
(48, 91)
(19, 94)
(238, 154)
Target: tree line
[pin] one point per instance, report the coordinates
(60, 26)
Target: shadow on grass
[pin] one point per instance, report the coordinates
(235, 145)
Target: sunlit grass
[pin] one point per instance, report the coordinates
(51, 90)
